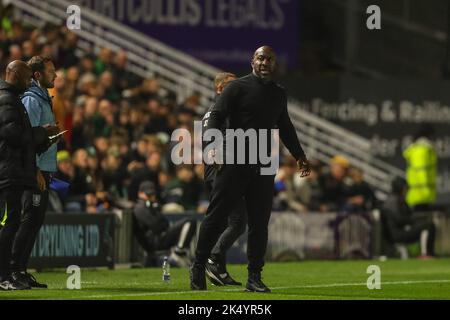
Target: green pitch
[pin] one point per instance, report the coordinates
(411, 279)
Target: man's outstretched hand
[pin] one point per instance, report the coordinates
(304, 167)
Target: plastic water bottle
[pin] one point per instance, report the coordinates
(166, 270)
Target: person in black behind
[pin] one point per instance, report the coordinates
(237, 221)
(154, 232)
(19, 144)
(251, 102)
(360, 196)
(401, 226)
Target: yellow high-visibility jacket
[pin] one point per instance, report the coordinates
(421, 171)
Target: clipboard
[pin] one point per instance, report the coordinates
(57, 135)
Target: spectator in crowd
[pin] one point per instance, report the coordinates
(287, 187)
(104, 120)
(28, 50)
(103, 61)
(159, 121)
(334, 185)
(6, 13)
(150, 89)
(61, 104)
(184, 190)
(98, 100)
(109, 88)
(66, 173)
(401, 226)
(154, 231)
(360, 196)
(149, 171)
(83, 123)
(87, 64)
(68, 49)
(124, 78)
(72, 82)
(38, 104)
(310, 188)
(295, 194)
(66, 170)
(15, 52)
(112, 176)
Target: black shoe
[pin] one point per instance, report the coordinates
(255, 284)
(28, 279)
(218, 275)
(197, 277)
(11, 284)
(229, 281)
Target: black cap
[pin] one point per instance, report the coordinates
(147, 187)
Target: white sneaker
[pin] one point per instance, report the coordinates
(180, 260)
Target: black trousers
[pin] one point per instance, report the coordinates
(413, 234)
(34, 203)
(179, 234)
(10, 208)
(232, 184)
(237, 223)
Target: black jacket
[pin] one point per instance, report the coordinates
(397, 212)
(150, 218)
(210, 170)
(19, 142)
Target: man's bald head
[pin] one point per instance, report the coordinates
(18, 73)
(263, 62)
(264, 49)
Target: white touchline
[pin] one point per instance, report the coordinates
(331, 285)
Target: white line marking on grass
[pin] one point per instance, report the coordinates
(331, 285)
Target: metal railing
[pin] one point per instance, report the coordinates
(323, 140)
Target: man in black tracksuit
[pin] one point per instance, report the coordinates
(251, 102)
(19, 143)
(400, 225)
(237, 221)
(154, 232)
(39, 108)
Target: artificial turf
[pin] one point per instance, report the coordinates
(312, 280)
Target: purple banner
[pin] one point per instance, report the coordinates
(224, 33)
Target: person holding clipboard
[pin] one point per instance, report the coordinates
(38, 103)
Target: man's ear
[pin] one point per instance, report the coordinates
(36, 75)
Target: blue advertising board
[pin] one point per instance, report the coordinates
(80, 239)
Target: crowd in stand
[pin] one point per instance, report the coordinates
(336, 187)
(119, 127)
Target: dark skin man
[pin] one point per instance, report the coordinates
(19, 144)
(264, 65)
(18, 74)
(253, 102)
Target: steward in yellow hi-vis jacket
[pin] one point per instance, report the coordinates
(421, 169)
